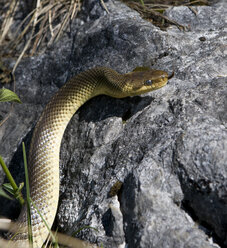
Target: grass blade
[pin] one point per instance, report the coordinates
(28, 196)
(4, 194)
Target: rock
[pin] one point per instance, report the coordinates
(167, 148)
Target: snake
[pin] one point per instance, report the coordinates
(43, 159)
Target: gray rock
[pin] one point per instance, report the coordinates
(168, 148)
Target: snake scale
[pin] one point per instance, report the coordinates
(45, 145)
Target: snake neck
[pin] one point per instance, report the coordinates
(109, 82)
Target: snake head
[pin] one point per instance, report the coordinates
(140, 82)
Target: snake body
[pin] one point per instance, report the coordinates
(45, 145)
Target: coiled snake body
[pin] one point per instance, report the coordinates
(46, 140)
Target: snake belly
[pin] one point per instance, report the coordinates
(43, 162)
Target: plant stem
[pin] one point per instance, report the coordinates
(12, 182)
(28, 197)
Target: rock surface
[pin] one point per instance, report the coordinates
(167, 148)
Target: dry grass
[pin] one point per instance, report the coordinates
(44, 23)
(152, 10)
(29, 26)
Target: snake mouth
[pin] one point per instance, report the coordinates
(171, 75)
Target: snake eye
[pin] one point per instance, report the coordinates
(148, 82)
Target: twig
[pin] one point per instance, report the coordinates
(104, 6)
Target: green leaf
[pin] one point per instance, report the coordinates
(8, 96)
(4, 194)
(8, 187)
